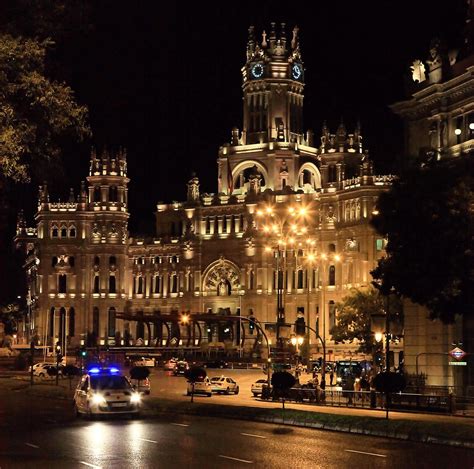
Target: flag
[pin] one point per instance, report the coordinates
(230, 179)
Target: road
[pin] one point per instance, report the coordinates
(199, 442)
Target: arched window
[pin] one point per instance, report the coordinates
(62, 283)
(208, 225)
(140, 286)
(112, 284)
(72, 232)
(54, 232)
(300, 279)
(95, 322)
(112, 261)
(63, 232)
(54, 261)
(96, 284)
(332, 275)
(111, 323)
(97, 261)
(72, 322)
(140, 330)
(251, 280)
(157, 284)
(62, 325)
(174, 283)
(332, 247)
(96, 194)
(332, 314)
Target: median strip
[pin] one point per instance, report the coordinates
(363, 452)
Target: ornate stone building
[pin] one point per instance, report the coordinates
(284, 203)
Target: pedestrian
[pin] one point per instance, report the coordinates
(331, 377)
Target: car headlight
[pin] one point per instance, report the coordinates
(98, 399)
(136, 398)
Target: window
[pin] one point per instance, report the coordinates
(54, 232)
(71, 261)
(96, 194)
(332, 247)
(332, 275)
(95, 322)
(72, 322)
(157, 284)
(113, 194)
(332, 314)
(112, 284)
(63, 232)
(62, 324)
(379, 244)
(72, 232)
(332, 173)
(208, 225)
(111, 323)
(96, 261)
(174, 283)
(96, 284)
(140, 286)
(62, 283)
(252, 280)
(300, 279)
(54, 261)
(112, 261)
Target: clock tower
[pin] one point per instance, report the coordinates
(273, 82)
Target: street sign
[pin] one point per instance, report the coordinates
(458, 363)
(457, 353)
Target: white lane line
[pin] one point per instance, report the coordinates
(180, 424)
(32, 445)
(90, 465)
(363, 452)
(235, 459)
(251, 434)
(149, 441)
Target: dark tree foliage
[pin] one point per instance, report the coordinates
(428, 218)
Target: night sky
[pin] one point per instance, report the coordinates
(163, 80)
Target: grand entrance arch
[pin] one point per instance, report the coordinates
(221, 278)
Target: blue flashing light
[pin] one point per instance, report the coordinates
(113, 370)
(94, 370)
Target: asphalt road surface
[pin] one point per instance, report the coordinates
(199, 442)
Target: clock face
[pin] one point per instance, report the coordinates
(257, 71)
(296, 71)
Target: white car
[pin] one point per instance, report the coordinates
(41, 370)
(257, 387)
(200, 387)
(145, 361)
(105, 391)
(224, 384)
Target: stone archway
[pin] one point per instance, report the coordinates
(244, 167)
(221, 278)
(309, 177)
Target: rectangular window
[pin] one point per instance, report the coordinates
(111, 323)
(379, 244)
(62, 283)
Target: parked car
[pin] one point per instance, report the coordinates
(144, 361)
(224, 385)
(41, 370)
(170, 365)
(200, 387)
(142, 386)
(106, 391)
(181, 368)
(216, 364)
(257, 387)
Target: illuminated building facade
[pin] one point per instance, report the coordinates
(284, 203)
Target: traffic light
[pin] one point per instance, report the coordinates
(300, 327)
(251, 324)
(83, 352)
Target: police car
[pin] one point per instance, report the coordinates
(104, 391)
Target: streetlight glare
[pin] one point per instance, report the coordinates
(185, 318)
(378, 336)
(337, 257)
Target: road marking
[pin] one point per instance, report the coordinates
(251, 434)
(32, 445)
(180, 424)
(149, 441)
(90, 465)
(363, 452)
(235, 459)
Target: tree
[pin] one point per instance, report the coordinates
(282, 382)
(193, 374)
(428, 219)
(354, 316)
(36, 114)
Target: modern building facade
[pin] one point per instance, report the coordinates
(286, 233)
